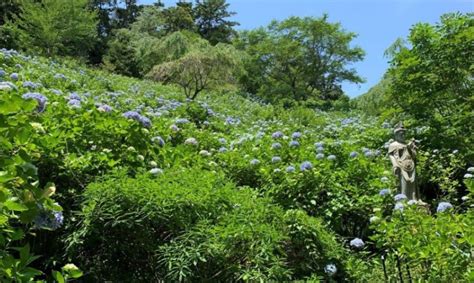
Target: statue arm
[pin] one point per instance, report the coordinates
(395, 168)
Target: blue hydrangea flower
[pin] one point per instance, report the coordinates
(384, 192)
(74, 103)
(306, 165)
(320, 149)
(41, 99)
(296, 135)
(276, 159)
(56, 91)
(369, 154)
(182, 121)
(14, 76)
(353, 154)
(2, 73)
(399, 206)
(320, 156)
(159, 140)
(276, 145)
(48, 220)
(330, 269)
(332, 157)
(357, 243)
(145, 121)
(29, 84)
(318, 144)
(277, 135)
(223, 149)
(75, 96)
(137, 117)
(294, 144)
(400, 197)
(254, 162)
(222, 140)
(60, 76)
(104, 108)
(290, 169)
(443, 206)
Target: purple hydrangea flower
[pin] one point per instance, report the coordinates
(384, 192)
(146, 122)
(2, 73)
(223, 149)
(320, 156)
(137, 117)
(306, 165)
(399, 206)
(74, 103)
(41, 99)
(400, 197)
(29, 84)
(254, 162)
(49, 220)
(276, 145)
(294, 144)
(60, 76)
(222, 140)
(159, 140)
(353, 154)
(104, 108)
(320, 149)
(290, 169)
(357, 243)
(369, 154)
(296, 135)
(276, 159)
(443, 206)
(14, 76)
(182, 121)
(75, 96)
(277, 135)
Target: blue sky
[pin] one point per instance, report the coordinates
(377, 22)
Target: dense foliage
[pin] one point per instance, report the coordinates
(113, 178)
(248, 196)
(299, 58)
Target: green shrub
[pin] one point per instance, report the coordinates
(194, 225)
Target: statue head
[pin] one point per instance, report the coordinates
(399, 132)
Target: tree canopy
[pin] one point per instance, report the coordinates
(432, 78)
(300, 58)
(52, 28)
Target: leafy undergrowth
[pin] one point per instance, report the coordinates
(149, 186)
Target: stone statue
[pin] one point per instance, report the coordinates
(403, 158)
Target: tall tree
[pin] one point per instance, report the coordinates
(432, 79)
(203, 67)
(52, 28)
(179, 17)
(211, 20)
(303, 57)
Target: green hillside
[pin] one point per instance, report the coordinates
(130, 182)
